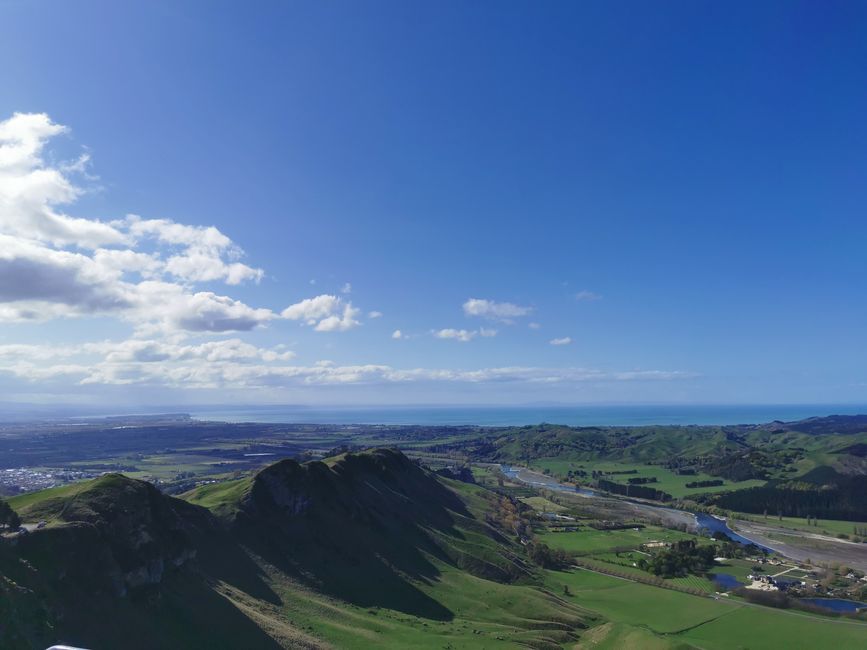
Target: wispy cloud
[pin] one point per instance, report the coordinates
(566, 340)
(500, 311)
(237, 364)
(463, 336)
(587, 296)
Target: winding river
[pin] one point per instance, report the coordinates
(702, 521)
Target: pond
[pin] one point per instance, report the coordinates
(836, 604)
(727, 581)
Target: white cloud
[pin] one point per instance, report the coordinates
(374, 314)
(312, 310)
(502, 311)
(237, 364)
(458, 335)
(31, 192)
(586, 295)
(486, 332)
(397, 334)
(347, 288)
(54, 265)
(340, 323)
(325, 313)
(566, 340)
(534, 326)
(199, 312)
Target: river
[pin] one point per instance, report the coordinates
(701, 521)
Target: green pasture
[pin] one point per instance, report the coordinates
(667, 480)
(653, 617)
(590, 540)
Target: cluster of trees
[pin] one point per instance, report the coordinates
(680, 560)
(8, 517)
(709, 483)
(638, 491)
(547, 557)
(841, 499)
(642, 480)
(511, 516)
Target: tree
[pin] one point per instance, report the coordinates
(8, 517)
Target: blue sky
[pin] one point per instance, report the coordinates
(674, 192)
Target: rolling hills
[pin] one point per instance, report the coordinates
(366, 548)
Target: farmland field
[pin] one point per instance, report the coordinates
(666, 480)
(653, 617)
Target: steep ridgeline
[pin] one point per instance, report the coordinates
(362, 550)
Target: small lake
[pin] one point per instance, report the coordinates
(727, 581)
(836, 604)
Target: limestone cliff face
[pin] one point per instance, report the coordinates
(118, 535)
(345, 486)
(286, 486)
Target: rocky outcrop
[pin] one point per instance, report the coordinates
(118, 535)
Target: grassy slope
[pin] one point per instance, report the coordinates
(264, 601)
(441, 603)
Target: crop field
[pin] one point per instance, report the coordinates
(667, 480)
(541, 504)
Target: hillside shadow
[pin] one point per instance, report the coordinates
(357, 531)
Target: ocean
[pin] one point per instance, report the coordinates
(633, 415)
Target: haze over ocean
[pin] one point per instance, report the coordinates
(601, 415)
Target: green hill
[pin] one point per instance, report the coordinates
(364, 549)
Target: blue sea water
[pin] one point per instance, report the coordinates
(522, 415)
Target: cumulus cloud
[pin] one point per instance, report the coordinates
(325, 313)
(458, 335)
(374, 314)
(587, 296)
(397, 334)
(140, 270)
(566, 340)
(501, 311)
(340, 322)
(32, 193)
